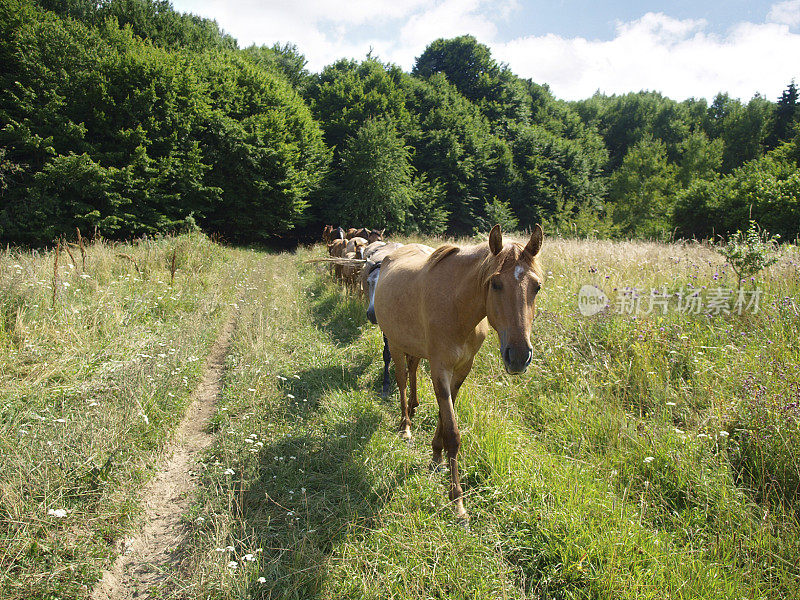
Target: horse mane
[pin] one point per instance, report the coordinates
(441, 253)
(490, 264)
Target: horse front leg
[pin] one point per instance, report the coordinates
(449, 434)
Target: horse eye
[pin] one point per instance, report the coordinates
(496, 285)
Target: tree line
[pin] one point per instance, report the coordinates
(126, 117)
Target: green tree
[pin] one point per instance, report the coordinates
(642, 190)
(469, 66)
(374, 178)
(700, 158)
(766, 190)
(784, 117)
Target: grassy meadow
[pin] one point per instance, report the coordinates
(98, 355)
(639, 457)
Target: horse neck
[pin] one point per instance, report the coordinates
(469, 293)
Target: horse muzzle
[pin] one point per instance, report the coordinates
(516, 359)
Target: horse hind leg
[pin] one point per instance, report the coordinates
(387, 357)
(401, 375)
(413, 363)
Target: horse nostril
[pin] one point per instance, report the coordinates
(507, 355)
(529, 357)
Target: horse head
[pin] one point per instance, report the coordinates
(513, 278)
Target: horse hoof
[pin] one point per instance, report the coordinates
(461, 515)
(385, 393)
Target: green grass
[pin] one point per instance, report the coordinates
(90, 388)
(654, 457)
(632, 461)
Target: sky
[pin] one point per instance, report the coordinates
(683, 49)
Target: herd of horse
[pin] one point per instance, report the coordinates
(438, 304)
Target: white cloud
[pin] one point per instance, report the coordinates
(678, 57)
(657, 52)
(787, 13)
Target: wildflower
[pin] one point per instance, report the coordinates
(219, 549)
(670, 404)
(233, 564)
(296, 376)
(649, 459)
(229, 471)
(229, 548)
(58, 513)
(723, 434)
(249, 557)
(251, 389)
(290, 396)
(200, 520)
(262, 580)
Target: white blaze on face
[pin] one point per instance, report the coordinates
(518, 273)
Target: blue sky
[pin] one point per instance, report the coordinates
(682, 49)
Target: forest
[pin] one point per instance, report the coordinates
(125, 118)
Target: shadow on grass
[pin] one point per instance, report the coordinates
(316, 382)
(311, 490)
(339, 316)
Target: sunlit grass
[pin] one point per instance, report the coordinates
(632, 461)
(90, 387)
(649, 457)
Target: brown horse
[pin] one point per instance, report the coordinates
(336, 249)
(375, 235)
(356, 244)
(439, 306)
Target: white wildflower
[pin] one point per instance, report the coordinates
(58, 513)
(649, 459)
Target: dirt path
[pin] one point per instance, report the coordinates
(146, 559)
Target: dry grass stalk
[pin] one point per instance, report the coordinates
(172, 266)
(132, 259)
(83, 249)
(71, 257)
(55, 272)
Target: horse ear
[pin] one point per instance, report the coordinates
(496, 240)
(535, 243)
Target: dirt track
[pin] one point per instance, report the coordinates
(148, 558)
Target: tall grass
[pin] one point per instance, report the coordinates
(90, 387)
(651, 456)
(647, 457)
